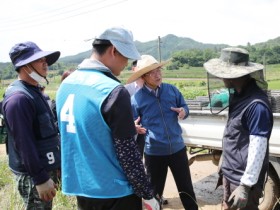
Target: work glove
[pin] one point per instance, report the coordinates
(152, 204)
(47, 190)
(239, 197)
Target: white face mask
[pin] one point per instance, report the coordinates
(34, 75)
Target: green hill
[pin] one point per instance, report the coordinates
(168, 45)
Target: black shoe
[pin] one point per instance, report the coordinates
(163, 201)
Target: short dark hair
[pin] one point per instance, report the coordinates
(101, 45)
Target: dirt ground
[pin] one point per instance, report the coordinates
(204, 177)
(2, 150)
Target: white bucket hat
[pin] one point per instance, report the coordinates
(122, 39)
(145, 65)
(233, 63)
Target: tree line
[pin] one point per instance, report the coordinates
(197, 57)
(179, 60)
(7, 70)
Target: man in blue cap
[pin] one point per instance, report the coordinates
(101, 163)
(33, 142)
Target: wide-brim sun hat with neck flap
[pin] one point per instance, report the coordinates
(233, 63)
(122, 40)
(27, 52)
(146, 64)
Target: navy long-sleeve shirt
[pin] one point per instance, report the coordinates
(20, 113)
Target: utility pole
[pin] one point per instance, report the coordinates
(159, 49)
(264, 64)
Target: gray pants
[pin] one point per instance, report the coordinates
(253, 199)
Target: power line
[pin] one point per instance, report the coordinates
(39, 13)
(54, 18)
(48, 14)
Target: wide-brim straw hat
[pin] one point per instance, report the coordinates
(233, 63)
(146, 64)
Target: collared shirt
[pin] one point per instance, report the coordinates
(137, 87)
(153, 91)
(133, 88)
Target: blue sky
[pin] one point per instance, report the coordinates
(65, 25)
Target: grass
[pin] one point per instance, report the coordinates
(7, 188)
(11, 200)
(5, 177)
(274, 85)
(191, 82)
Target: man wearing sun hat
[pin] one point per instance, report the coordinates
(248, 129)
(33, 142)
(97, 130)
(159, 105)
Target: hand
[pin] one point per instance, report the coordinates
(152, 204)
(181, 112)
(138, 127)
(239, 197)
(47, 190)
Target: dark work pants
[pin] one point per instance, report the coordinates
(253, 198)
(157, 168)
(131, 202)
(141, 143)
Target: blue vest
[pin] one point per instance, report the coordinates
(46, 133)
(90, 167)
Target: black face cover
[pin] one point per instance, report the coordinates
(218, 94)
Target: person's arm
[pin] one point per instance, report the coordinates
(256, 153)
(137, 118)
(20, 113)
(182, 108)
(182, 103)
(117, 113)
(259, 123)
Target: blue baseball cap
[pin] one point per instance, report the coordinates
(122, 39)
(27, 52)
